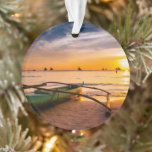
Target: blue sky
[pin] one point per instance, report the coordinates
(88, 34)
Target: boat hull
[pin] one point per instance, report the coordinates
(43, 100)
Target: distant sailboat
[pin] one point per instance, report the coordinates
(51, 69)
(45, 69)
(79, 69)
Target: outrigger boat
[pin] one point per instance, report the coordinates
(42, 99)
(47, 98)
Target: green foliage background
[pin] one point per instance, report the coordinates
(127, 131)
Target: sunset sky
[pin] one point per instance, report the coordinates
(94, 49)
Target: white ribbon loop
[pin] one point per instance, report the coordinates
(76, 12)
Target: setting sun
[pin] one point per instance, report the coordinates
(124, 64)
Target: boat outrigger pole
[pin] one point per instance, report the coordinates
(42, 89)
(72, 93)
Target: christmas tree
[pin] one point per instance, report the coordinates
(21, 130)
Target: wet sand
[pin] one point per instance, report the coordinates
(78, 114)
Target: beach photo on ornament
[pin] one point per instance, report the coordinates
(75, 83)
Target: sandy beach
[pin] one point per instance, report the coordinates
(78, 114)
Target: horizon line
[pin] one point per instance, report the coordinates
(79, 70)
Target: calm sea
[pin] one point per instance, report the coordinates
(115, 83)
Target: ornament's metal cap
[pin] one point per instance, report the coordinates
(75, 35)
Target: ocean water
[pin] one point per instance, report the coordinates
(116, 84)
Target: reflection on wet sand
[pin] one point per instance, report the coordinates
(78, 115)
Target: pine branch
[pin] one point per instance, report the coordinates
(16, 23)
(135, 36)
(11, 95)
(12, 137)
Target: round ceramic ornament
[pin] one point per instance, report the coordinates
(75, 83)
